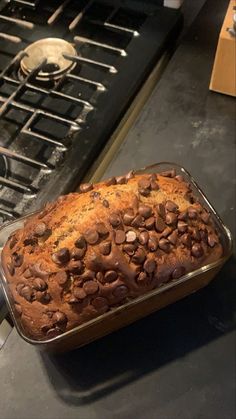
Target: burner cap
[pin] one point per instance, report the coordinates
(52, 50)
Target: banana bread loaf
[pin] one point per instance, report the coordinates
(91, 251)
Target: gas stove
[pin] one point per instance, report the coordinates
(68, 72)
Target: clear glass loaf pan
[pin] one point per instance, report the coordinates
(134, 309)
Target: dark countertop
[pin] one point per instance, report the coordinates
(180, 361)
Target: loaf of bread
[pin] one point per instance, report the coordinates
(91, 251)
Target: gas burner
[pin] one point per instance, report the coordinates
(50, 52)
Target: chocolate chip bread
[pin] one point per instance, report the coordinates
(90, 252)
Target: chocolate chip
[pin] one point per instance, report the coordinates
(77, 254)
(37, 271)
(142, 277)
(139, 256)
(143, 237)
(110, 276)
(149, 266)
(80, 242)
(19, 287)
(205, 217)
(86, 187)
(12, 241)
(61, 277)
(212, 240)
(90, 287)
(100, 303)
(144, 192)
(17, 259)
(73, 300)
(164, 245)
(53, 332)
(152, 244)
(88, 275)
(11, 268)
(197, 250)
(130, 175)
(138, 221)
(95, 195)
(111, 181)
(186, 240)
(102, 229)
(119, 236)
(100, 276)
(161, 210)
(154, 185)
(105, 248)
(75, 266)
(26, 292)
(149, 223)
(192, 213)
(173, 237)
(131, 236)
(114, 219)
(159, 225)
(166, 232)
(121, 291)
(178, 272)
(171, 206)
(182, 226)
(183, 216)
(168, 173)
(30, 241)
(128, 217)
(204, 235)
(153, 176)
(43, 296)
(61, 256)
(105, 203)
(121, 180)
(144, 183)
(40, 229)
(59, 318)
(171, 218)
(196, 234)
(129, 249)
(145, 211)
(91, 236)
(39, 284)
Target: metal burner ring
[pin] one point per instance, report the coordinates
(52, 50)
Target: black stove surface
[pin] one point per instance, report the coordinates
(51, 131)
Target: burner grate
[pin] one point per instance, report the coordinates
(53, 127)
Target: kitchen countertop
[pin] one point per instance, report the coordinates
(180, 361)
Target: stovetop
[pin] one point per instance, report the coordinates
(52, 130)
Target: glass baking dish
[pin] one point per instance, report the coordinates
(138, 307)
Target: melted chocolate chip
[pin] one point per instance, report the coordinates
(95, 195)
(196, 234)
(91, 236)
(154, 185)
(119, 236)
(37, 271)
(27, 273)
(159, 225)
(100, 303)
(43, 296)
(139, 256)
(142, 277)
(17, 259)
(102, 229)
(144, 183)
(161, 210)
(76, 267)
(212, 240)
(192, 213)
(129, 249)
(183, 216)
(144, 192)
(90, 287)
(121, 291)
(100, 277)
(88, 275)
(128, 217)
(171, 206)
(105, 248)
(204, 235)
(59, 318)
(145, 211)
(61, 256)
(61, 277)
(186, 240)
(40, 229)
(105, 203)
(168, 173)
(143, 237)
(166, 232)
(121, 180)
(152, 244)
(173, 237)
(111, 181)
(12, 241)
(114, 219)
(149, 266)
(110, 276)
(171, 218)
(197, 250)
(80, 242)
(182, 226)
(86, 187)
(149, 223)
(77, 254)
(131, 236)
(205, 217)
(39, 284)
(79, 293)
(178, 272)
(164, 245)
(30, 241)
(11, 268)
(26, 292)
